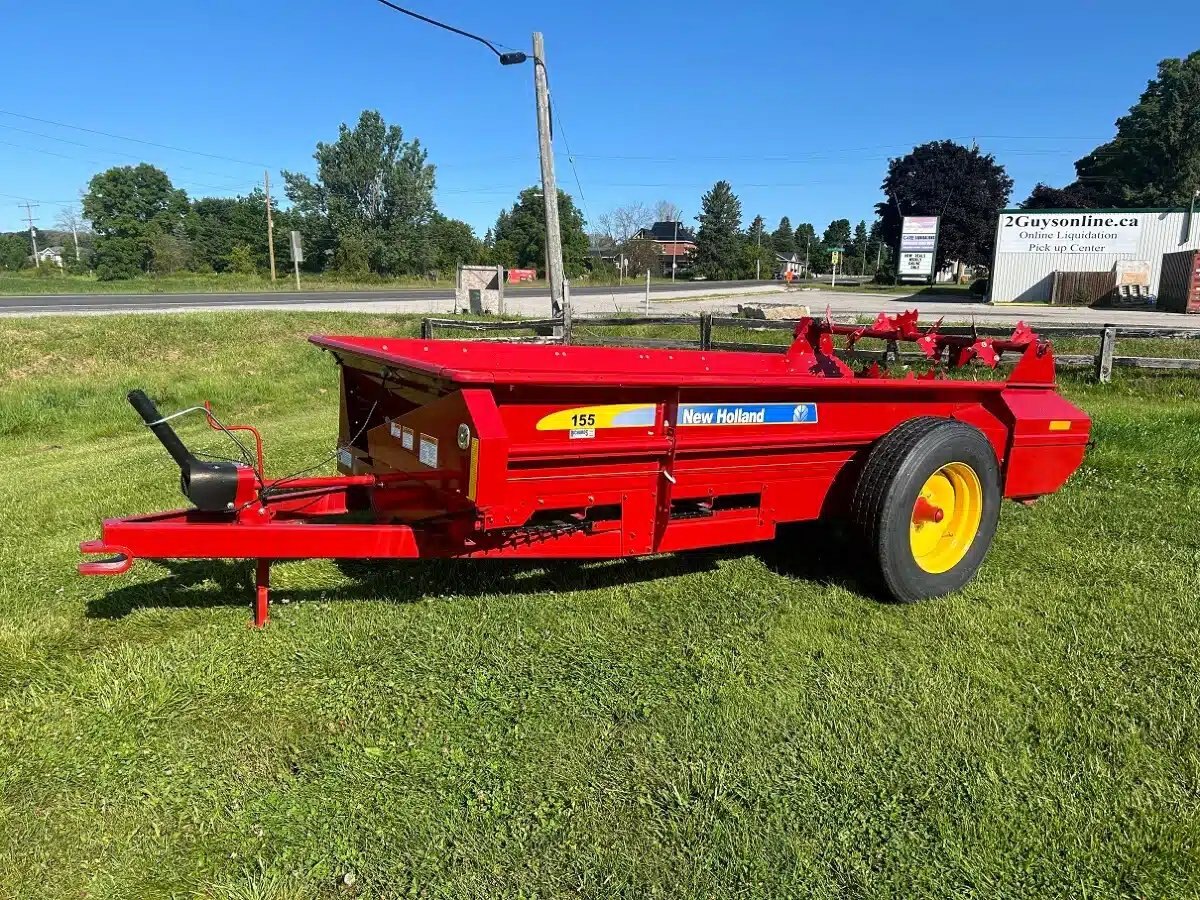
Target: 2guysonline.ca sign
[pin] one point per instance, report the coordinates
(1081, 232)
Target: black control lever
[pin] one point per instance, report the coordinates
(211, 486)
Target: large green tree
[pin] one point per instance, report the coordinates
(135, 212)
(1074, 196)
(806, 236)
(965, 187)
(719, 236)
(14, 252)
(372, 200)
(856, 250)
(783, 239)
(838, 234)
(223, 225)
(520, 233)
(454, 243)
(757, 233)
(1154, 160)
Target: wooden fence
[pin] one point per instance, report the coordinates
(579, 331)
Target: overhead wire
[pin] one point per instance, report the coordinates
(123, 137)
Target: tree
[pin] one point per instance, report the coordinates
(641, 256)
(756, 234)
(375, 190)
(784, 239)
(241, 260)
(666, 211)
(520, 233)
(719, 235)
(1076, 195)
(1155, 158)
(856, 250)
(222, 223)
(130, 207)
(454, 243)
(877, 250)
(965, 187)
(837, 234)
(756, 261)
(14, 252)
(622, 223)
(806, 236)
(70, 219)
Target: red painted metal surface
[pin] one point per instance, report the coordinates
(475, 449)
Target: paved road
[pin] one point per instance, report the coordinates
(688, 298)
(439, 299)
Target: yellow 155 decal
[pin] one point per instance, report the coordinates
(613, 415)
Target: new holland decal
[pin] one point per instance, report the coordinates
(584, 421)
(748, 414)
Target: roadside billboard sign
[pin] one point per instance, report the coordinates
(918, 247)
(297, 248)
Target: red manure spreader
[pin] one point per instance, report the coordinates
(474, 449)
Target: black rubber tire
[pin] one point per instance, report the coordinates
(881, 508)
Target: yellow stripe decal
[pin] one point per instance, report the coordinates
(613, 415)
(1060, 425)
(474, 479)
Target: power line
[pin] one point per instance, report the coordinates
(124, 137)
(138, 156)
(96, 162)
(416, 15)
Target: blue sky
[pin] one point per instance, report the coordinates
(799, 106)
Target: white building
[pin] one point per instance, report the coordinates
(1033, 244)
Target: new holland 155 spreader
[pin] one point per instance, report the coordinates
(493, 450)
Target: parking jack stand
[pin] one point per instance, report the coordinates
(262, 590)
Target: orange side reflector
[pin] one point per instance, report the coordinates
(1060, 425)
(473, 483)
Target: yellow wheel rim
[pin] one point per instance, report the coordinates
(946, 518)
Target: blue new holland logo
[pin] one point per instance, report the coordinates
(748, 414)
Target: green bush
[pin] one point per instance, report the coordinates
(241, 260)
(119, 258)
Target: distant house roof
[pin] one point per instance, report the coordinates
(788, 257)
(666, 231)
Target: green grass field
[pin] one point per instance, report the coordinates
(737, 724)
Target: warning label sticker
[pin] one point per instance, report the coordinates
(429, 451)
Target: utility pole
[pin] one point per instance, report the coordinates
(674, 250)
(75, 235)
(554, 257)
(32, 233)
(270, 222)
(758, 259)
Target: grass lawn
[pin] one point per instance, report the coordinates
(745, 723)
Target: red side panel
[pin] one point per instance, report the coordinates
(1049, 438)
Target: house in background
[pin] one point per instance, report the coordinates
(50, 255)
(675, 243)
(788, 262)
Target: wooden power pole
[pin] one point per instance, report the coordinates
(32, 233)
(554, 257)
(270, 222)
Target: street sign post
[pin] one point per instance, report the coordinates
(297, 256)
(836, 256)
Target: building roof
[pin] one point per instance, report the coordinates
(666, 231)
